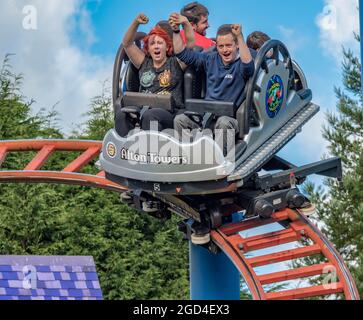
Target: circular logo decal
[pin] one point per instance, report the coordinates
(111, 150)
(274, 96)
(147, 79)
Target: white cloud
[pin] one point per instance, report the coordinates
(55, 69)
(293, 40)
(308, 145)
(286, 32)
(337, 21)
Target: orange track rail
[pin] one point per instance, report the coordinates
(299, 227)
(227, 238)
(69, 175)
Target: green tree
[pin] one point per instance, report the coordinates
(340, 205)
(137, 257)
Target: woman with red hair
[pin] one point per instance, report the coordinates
(160, 72)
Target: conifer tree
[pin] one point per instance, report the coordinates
(137, 257)
(340, 205)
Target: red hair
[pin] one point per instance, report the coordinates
(157, 31)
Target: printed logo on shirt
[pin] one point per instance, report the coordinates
(147, 79)
(165, 78)
(228, 76)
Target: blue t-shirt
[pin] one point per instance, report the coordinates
(224, 82)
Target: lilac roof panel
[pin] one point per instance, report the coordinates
(48, 278)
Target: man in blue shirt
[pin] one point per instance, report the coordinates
(227, 70)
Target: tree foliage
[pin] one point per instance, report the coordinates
(137, 257)
(340, 205)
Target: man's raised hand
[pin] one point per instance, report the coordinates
(176, 19)
(236, 29)
(142, 19)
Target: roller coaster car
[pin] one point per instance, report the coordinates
(197, 179)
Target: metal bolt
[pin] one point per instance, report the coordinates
(240, 246)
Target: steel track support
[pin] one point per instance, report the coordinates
(212, 276)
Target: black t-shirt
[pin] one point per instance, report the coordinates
(168, 79)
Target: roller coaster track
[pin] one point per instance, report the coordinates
(298, 229)
(69, 175)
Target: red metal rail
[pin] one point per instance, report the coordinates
(69, 175)
(228, 237)
(299, 227)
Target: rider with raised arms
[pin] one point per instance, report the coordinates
(227, 71)
(160, 72)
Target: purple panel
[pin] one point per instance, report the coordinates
(20, 275)
(69, 269)
(91, 276)
(39, 292)
(75, 293)
(16, 284)
(89, 269)
(52, 284)
(77, 269)
(9, 298)
(43, 269)
(52, 292)
(96, 293)
(86, 293)
(6, 269)
(45, 276)
(65, 276)
(68, 284)
(37, 298)
(57, 268)
(10, 275)
(81, 276)
(63, 293)
(17, 268)
(80, 284)
(74, 277)
(47, 260)
(41, 284)
(57, 276)
(96, 285)
(25, 292)
(4, 284)
(12, 291)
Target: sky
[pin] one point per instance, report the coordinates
(66, 49)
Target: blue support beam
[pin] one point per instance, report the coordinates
(212, 276)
